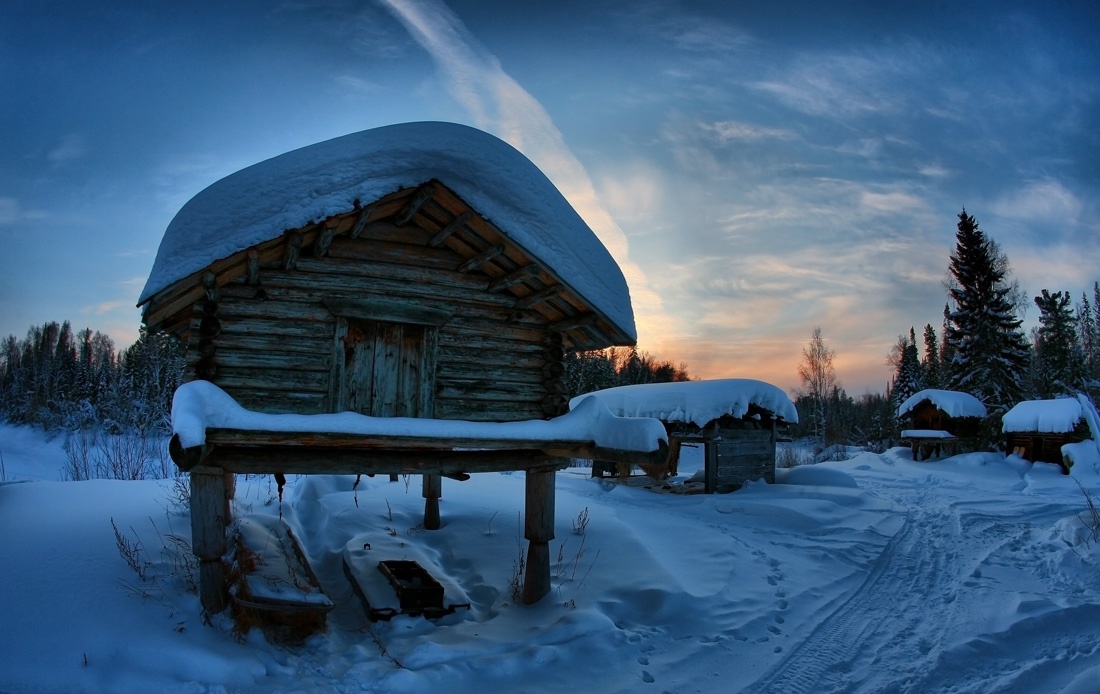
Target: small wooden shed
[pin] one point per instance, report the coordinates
(935, 419)
(1037, 429)
(736, 420)
(423, 270)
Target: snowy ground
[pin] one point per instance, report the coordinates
(970, 574)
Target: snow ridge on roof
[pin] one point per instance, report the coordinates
(952, 402)
(1045, 416)
(698, 402)
(262, 201)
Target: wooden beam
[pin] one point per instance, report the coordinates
(360, 222)
(208, 523)
(290, 461)
(574, 322)
(456, 224)
(481, 259)
(253, 266)
(388, 311)
(521, 275)
(538, 529)
(210, 283)
(432, 491)
(423, 195)
(539, 297)
(293, 246)
(324, 240)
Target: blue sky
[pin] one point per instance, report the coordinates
(756, 168)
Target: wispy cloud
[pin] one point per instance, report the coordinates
(9, 211)
(71, 148)
(498, 104)
(727, 130)
(1039, 201)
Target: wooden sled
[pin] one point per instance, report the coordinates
(275, 588)
(397, 578)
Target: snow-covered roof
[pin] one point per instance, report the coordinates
(1045, 416)
(697, 402)
(952, 402)
(289, 191)
(201, 405)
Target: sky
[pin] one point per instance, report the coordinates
(757, 169)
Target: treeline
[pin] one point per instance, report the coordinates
(982, 349)
(114, 407)
(586, 371)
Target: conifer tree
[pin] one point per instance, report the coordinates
(907, 375)
(991, 354)
(1058, 358)
(931, 362)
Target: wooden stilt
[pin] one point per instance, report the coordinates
(538, 528)
(433, 489)
(209, 507)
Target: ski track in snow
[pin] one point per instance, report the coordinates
(891, 635)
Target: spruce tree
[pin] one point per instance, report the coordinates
(931, 362)
(907, 375)
(991, 354)
(1057, 355)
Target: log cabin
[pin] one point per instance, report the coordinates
(735, 419)
(936, 420)
(415, 272)
(1036, 430)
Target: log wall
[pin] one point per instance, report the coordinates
(269, 340)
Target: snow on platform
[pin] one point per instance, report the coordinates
(199, 405)
(697, 402)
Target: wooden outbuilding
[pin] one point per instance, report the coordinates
(936, 420)
(735, 419)
(1037, 429)
(413, 273)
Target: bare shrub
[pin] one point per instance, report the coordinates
(80, 445)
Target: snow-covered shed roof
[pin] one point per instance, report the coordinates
(1044, 416)
(261, 202)
(696, 402)
(952, 402)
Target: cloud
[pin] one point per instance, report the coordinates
(848, 84)
(498, 104)
(71, 148)
(10, 211)
(1040, 201)
(733, 130)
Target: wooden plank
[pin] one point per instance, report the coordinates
(422, 196)
(395, 252)
(289, 461)
(234, 378)
(455, 225)
(293, 246)
(306, 330)
(480, 259)
(387, 353)
(281, 402)
(389, 311)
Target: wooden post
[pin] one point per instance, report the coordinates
(538, 528)
(433, 489)
(209, 503)
(710, 466)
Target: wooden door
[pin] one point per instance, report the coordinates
(383, 369)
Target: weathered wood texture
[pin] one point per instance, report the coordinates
(538, 529)
(282, 346)
(209, 519)
(737, 456)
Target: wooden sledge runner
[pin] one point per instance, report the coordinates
(276, 587)
(398, 578)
